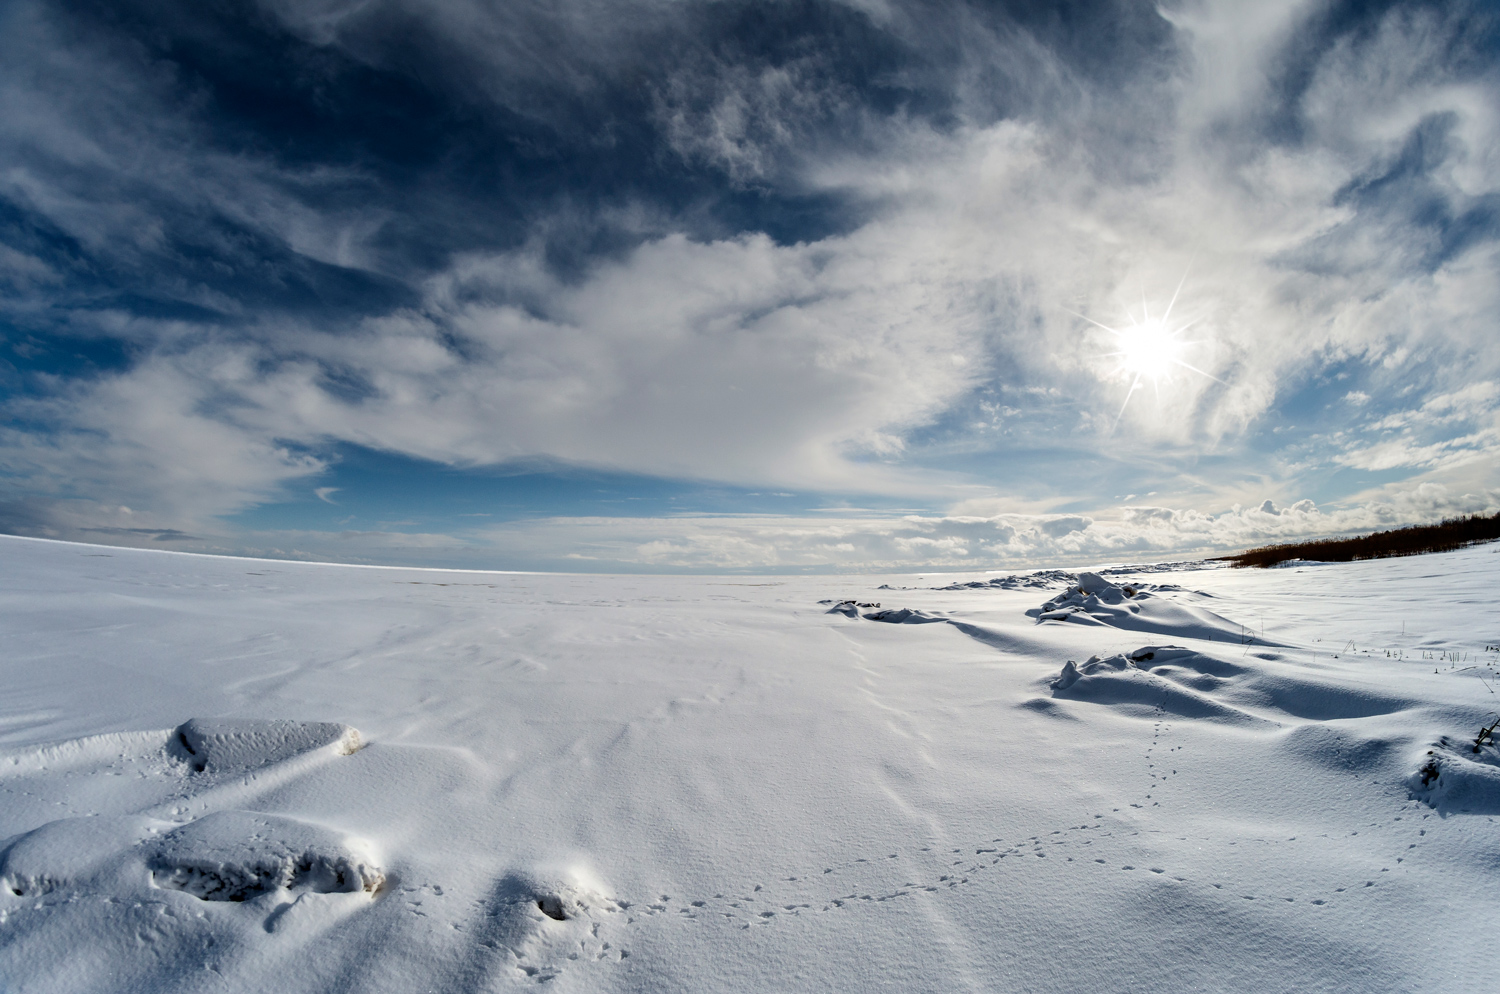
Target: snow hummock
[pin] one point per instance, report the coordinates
(1248, 780)
(234, 855)
(1459, 776)
(1040, 580)
(227, 747)
(1161, 608)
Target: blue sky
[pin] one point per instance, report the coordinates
(687, 285)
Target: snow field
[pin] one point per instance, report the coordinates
(720, 783)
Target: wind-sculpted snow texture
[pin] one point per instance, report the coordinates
(1243, 781)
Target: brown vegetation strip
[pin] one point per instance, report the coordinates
(1454, 533)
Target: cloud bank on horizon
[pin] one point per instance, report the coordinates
(746, 285)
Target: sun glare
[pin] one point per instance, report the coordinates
(1150, 348)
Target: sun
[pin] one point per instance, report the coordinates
(1149, 348)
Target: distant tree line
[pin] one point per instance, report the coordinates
(1454, 533)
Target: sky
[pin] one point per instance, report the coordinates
(674, 285)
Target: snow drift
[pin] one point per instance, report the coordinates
(728, 784)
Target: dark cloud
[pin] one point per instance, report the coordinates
(204, 161)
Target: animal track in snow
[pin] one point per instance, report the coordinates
(1100, 844)
(537, 923)
(1096, 845)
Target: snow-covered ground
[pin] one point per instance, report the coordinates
(240, 775)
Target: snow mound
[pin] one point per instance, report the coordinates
(540, 920)
(68, 854)
(1194, 565)
(1168, 679)
(1092, 593)
(236, 855)
(1144, 607)
(561, 895)
(849, 608)
(903, 616)
(1041, 580)
(226, 856)
(1458, 777)
(1258, 688)
(230, 746)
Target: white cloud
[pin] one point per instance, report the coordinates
(821, 364)
(1428, 436)
(958, 542)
